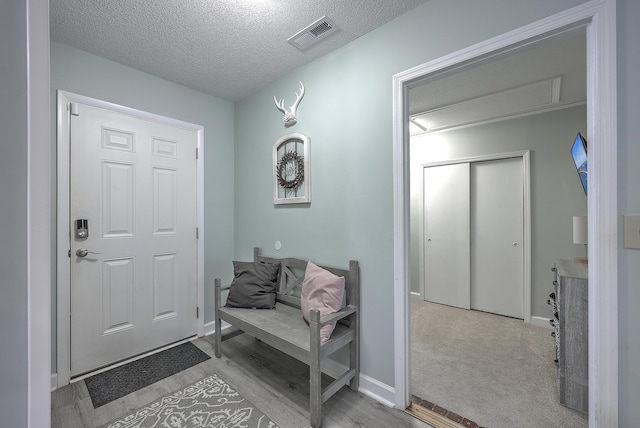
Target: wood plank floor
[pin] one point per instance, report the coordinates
(274, 382)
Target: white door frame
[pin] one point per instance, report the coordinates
(63, 232)
(598, 17)
(39, 211)
(525, 156)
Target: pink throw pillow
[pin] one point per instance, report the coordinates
(324, 291)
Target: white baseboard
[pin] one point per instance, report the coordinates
(54, 381)
(377, 390)
(369, 386)
(210, 327)
(541, 322)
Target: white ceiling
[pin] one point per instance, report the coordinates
(224, 48)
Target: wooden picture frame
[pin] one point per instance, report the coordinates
(291, 170)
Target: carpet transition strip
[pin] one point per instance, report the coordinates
(437, 416)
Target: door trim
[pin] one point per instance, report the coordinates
(598, 17)
(39, 211)
(64, 234)
(526, 220)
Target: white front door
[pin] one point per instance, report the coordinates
(134, 278)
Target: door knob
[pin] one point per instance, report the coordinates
(83, 252)
(515, 244)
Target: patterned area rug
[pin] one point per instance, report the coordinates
(208, 403)
(120, 381)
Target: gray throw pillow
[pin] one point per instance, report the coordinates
(253, 285)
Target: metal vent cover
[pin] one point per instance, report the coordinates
(312, 34)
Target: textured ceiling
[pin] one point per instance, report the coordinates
(225, 48)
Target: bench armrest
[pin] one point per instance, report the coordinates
(221, 287)
(342, 313)
(218, 289)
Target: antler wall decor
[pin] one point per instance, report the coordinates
(290, 113)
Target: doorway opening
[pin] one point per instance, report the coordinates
(500, 371)
(601, 89)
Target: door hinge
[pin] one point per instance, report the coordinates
(69, 253)
(197, 312)
(197, 233)
(196, 153)
(73, 108)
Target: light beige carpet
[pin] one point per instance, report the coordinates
(493, 370)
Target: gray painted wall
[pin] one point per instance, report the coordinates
(556, 192)
(79, 72)
(347, 112)
(13, 214)
(628, 16)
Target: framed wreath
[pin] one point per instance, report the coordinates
(291, 170)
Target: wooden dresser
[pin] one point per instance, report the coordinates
(571, 321)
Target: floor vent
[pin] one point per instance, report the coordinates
(315, 32)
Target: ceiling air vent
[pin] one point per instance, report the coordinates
(315, 32)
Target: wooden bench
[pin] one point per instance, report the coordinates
(285, 329)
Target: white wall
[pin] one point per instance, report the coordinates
(556, 192)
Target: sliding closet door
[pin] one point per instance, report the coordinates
(497, 247)
(446, 234)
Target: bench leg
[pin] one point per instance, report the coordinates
(315, 373)
(218, 334)
(218, 339)
(315, 399)
(354, 357)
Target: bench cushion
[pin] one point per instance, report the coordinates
(253, 285)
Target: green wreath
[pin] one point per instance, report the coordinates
(286, 159)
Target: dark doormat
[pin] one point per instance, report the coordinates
(115, 383)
